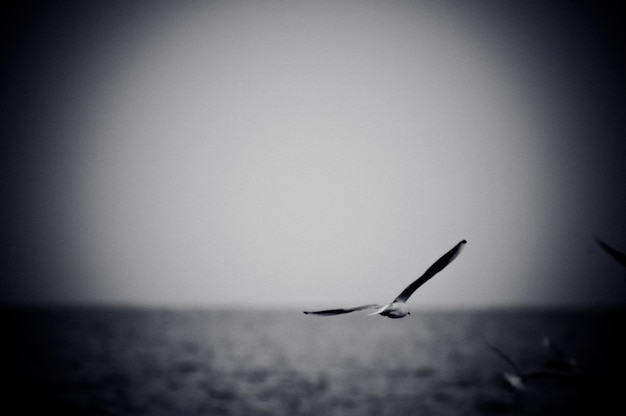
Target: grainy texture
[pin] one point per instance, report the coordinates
(107, 361)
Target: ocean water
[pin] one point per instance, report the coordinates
(132, 361)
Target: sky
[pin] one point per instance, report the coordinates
(311, 154)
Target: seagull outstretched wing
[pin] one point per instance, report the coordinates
(398, 308)
(340, 311)
(432, 270)
(617, 255)
(505, 357)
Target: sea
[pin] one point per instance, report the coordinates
(96, 360)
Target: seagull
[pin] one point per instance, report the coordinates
(398, 308)
(560, 361)
(517, 381)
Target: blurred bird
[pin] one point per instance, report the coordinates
(398, 308)
(515, 381)
(561, 366)
(560, 361)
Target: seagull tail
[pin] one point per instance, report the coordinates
(379, 311)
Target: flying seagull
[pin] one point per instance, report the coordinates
(561, 367)
(515, 381)
(398, 308)
(560, 361)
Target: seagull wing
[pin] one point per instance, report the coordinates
(505, 357)
(617, 255)
(330, 312)
(432, 270)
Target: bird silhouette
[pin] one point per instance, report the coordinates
(398, 308)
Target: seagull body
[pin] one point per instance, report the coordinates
(398, 308)
(394, 310)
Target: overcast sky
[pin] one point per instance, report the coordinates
(312, 154)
